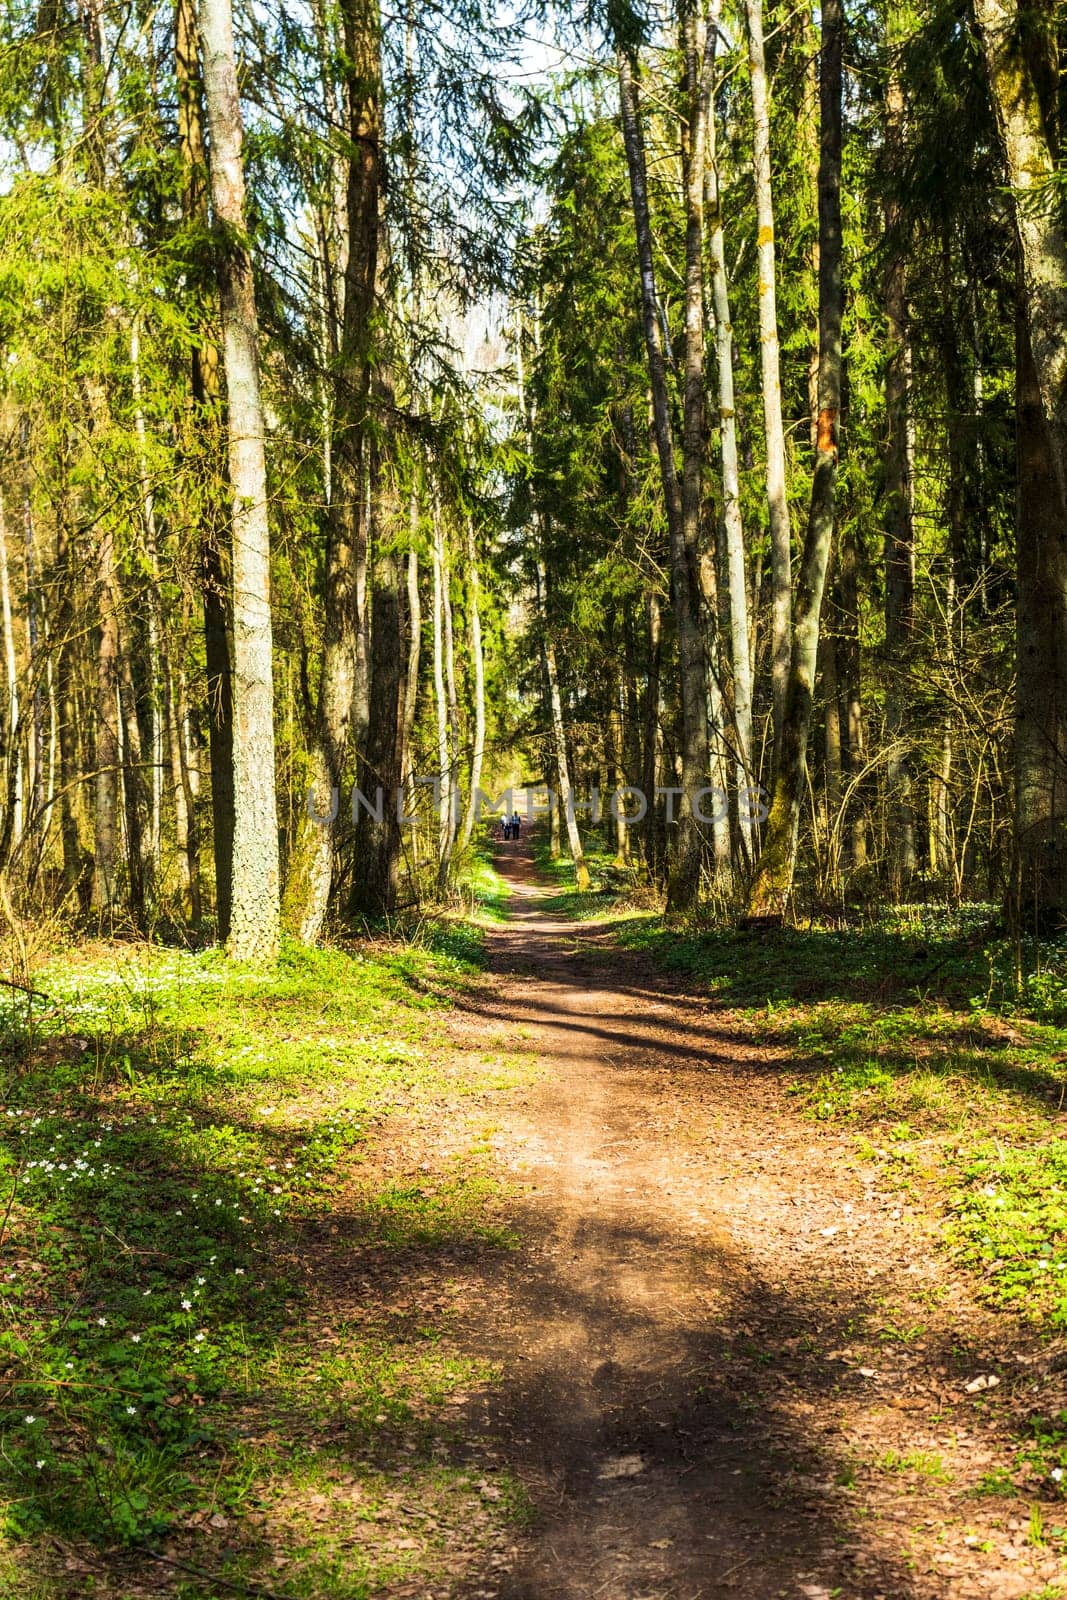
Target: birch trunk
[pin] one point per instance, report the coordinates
(774, 432)
(446, 812)
(773, 881)
(254, 926)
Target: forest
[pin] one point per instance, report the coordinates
(646, 422)
(669, 413)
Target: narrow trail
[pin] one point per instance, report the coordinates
(718, 1323)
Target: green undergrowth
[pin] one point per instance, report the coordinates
(479, 883)
(177, 1139)
(916, 1033)
(614, 890)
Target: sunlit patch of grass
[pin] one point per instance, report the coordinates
(170, 1128)
(914, 1463)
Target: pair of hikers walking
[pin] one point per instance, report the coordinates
(511, 827)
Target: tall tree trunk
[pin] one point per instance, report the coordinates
(733, 530)
(106, 783)
(899, 529)
(1041, 656)
(1021, 70)
(214, 554)
(1014, 67)
(689, 836)
(411, 678)
(156, 647)
(447, 810)
(375, 882)
(777, 500)
(311, 865)
(12, 743)
(478, 659)
(254, 925)
(564, 792)
(652, 740)
(851, 674)
(34, 640)
(75, 874)
(773, 881)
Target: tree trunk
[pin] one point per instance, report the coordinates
(411, 677)
(688, 843)
(375, 883)
(478, 659)
(564, 792)
(1041, 657)
(35, 749)
(254, 925)
(156, 674)
(734, 534)
(652, 741)
(446, 812)
(311, 864)
(899, 531)
(12, 742)
(106, 783)
(850, 667)
(1010, 49)
(214, 555)
(773, 881)
(777, 500)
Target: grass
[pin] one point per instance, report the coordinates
(913, 1032)
(175, 1137)
(914, 1463)
(479, 883)
(614, 886)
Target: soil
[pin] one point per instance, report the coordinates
(735, 1359)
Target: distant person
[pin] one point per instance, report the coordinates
(505, 828)
(516, 825)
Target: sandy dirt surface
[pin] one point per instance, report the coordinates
(734, 1363)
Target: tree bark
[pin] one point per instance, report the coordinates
(774, 431)
(214, 554)
(311, 863)
(564, 792)
(687, 853)
(478, 659)
(106, 781)
(733, 529)
(773, 881)
(899, 542)
(12, 741)
(1024, 124)
(375, 882)
(446, 812)
(254, 926)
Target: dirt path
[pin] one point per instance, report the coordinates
(732, 1364)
